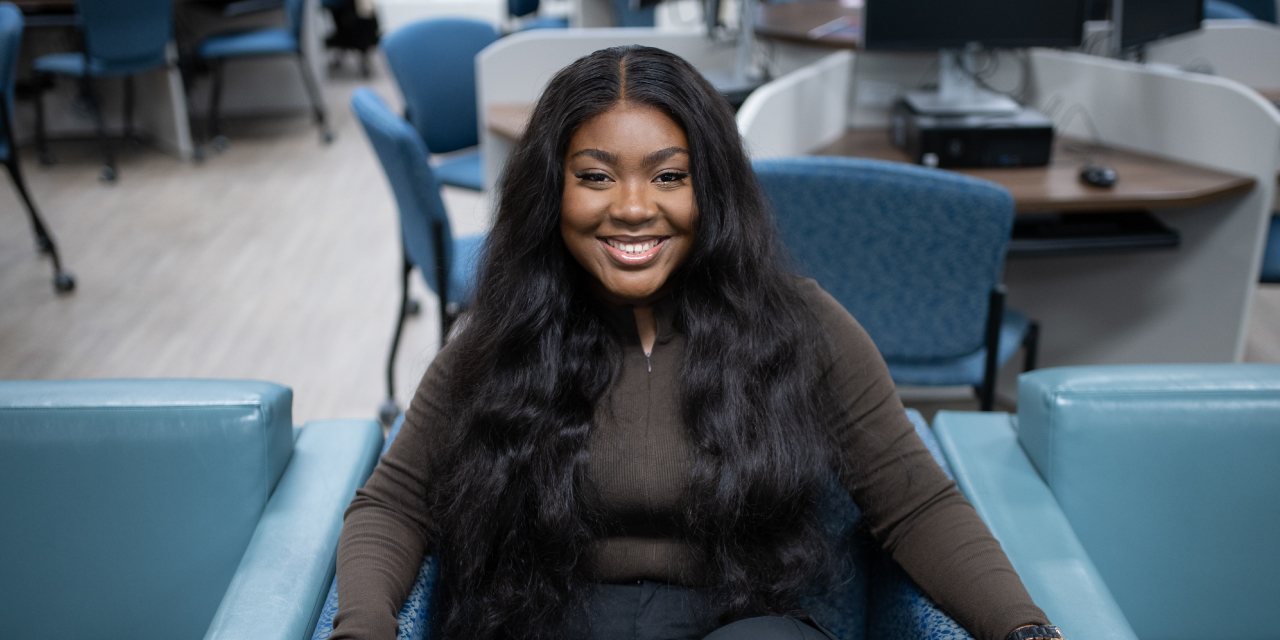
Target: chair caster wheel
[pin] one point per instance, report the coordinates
(388, 412)
(412, 307)
(219, 144)
(107, 174)
(64, 282)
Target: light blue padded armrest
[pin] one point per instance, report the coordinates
(281, 582)
(998, 479)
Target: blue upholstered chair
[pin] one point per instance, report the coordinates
(1264, 10)
(434, 63)
(10, 40)
(915, 254)
(1137, 502)
(163, 509)
(626, 14)
(446, 263)
(1271, 253)
(261, 43)
(526, 13)
(878, 602)
(122, 38)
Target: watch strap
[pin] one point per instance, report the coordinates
(1038, 632)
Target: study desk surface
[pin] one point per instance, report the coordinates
(1146, 182)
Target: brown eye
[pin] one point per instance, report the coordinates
(671, 176)
(591, 176)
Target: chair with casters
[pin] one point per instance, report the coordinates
(10, 39)
(1136, 502)
(915, 254)
(877, 601)
(261, 43)
(163, 509)
(445, 262)
(121, 38)
(440, 96)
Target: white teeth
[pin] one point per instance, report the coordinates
(632, 248)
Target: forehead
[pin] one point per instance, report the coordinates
(627, 128)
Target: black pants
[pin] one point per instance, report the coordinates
(656, 611)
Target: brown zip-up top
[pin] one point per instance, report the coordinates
(639, 458)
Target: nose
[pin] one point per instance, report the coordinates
(634, 207)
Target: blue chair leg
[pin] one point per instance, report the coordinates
(108, 172)
(389, 409)
(317, 100)
(213, 132)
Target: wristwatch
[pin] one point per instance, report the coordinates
(1040, 632)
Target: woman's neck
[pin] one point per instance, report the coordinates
(647, 326)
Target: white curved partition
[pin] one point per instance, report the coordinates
(800, 111)
(1186, 305)
(1247, 51)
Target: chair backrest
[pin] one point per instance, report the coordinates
(127, 504)
(434, 63)
(520, 8)
(293, 16)
(124, 34)
(913, 253)
(404, 159)
(1168, 475)
(10, 42)
(1264, 10)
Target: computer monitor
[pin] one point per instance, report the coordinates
(951, 25)
(1143, 21)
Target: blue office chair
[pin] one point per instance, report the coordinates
(122, 38)
(165, 509)
(915, 254)
(877, 602)
(1264, 10)
(522, 8)
(446, 263)
(1271, 253)
(1136, 502)
(10, 40)
(434, 63)
(627, 14)
(260, 43)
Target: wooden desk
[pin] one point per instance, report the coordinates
(1145, 182)
(826, 23)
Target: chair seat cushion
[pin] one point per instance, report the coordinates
(466, 255)
(71, 63)
(462, 170)
(965, 370)
(263, 42)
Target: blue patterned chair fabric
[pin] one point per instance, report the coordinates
(913, 253)
(877, 602)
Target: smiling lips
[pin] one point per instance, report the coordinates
(634, 252)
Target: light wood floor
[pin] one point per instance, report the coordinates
(275, 260)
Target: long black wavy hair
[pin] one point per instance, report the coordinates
(536, 355)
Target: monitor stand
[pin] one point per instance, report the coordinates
(958, 94)
(737, 84)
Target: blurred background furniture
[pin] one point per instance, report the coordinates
(120, 38)
(447, 264)
(915, 254)
(259, 43)
(161, 509)
(10, 40)
(878, 601)
(1138, 493)
(1271, 255)
(355, 28)
(525, 15)
(440, 96)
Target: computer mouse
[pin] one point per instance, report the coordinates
(1098, 175)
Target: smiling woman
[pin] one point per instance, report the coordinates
(631, 434)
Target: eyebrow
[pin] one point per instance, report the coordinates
(602, 156)
(649, 160)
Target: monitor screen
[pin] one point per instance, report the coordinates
(926, 25)
(1142, 21)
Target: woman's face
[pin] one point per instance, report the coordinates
(628, 212)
